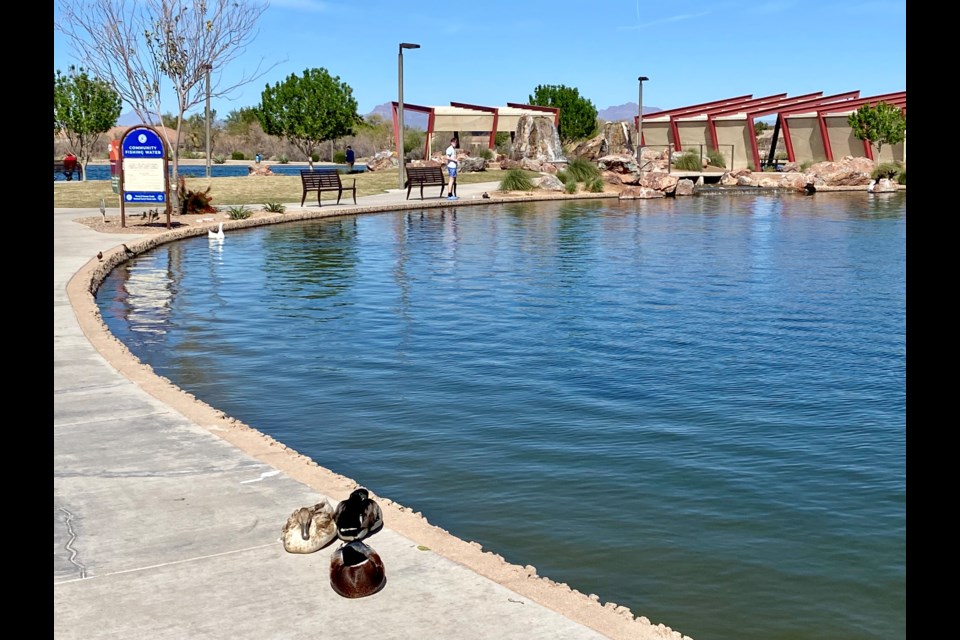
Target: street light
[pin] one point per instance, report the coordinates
(640, 121)
(403, 45)
(208, 68)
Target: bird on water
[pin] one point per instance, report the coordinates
(216, 235)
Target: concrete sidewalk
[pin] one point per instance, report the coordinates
(163, 529)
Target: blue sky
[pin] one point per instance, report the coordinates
(496, 51)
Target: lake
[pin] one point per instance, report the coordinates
(102, 171)
(693, 407)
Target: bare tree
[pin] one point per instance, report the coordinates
(135, 45)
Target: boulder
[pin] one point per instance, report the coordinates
(259, 170)
(537, 139)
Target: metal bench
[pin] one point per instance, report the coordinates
(425, 177)
(321, 180)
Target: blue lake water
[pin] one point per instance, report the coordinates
(692, 407)
(102, 171)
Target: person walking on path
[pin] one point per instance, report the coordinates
(452, 164)
(350, 158)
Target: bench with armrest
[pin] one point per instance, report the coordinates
(321, 180)
(425, 177)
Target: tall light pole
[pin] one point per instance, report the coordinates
(399, 132)
(208, 68)
(640, 122)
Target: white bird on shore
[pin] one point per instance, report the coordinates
(216, 235)
(871, 186)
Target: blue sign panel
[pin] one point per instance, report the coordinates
(144, 168)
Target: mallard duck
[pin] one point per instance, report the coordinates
(309, 529)
(356, 570)
(358, 516)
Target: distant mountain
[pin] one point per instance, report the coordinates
(626, 111)
(411, 119)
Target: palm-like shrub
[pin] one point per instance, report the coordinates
(516, 180)
(582, 170)
(689, 161)
(595, 185)
(716, 159)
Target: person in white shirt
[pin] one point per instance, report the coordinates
(452, 164)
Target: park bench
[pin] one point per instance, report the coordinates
(320, 180)
(425, 177)
(59, 168)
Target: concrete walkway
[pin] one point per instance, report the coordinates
(163, 529)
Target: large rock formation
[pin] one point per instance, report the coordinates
(537, 139)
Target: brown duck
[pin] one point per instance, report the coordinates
(309, 529)
(356, 570)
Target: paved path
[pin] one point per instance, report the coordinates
(163, 529)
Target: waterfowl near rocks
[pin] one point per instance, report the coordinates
(358, 516)
(309, 529)
(216, 235)
(872, 186)
(356, 570)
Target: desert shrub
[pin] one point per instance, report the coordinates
(902, 178)
(485, 152)
(340, 157)
(516, 180)
(595, 185)
(689, 161)
(274, 207)
(237, 155)
(315, 157)
(238, 212)
(563, 176)
(716, 159)
(582, 170)
(193, 201)
(806, 164)
(886, 170)
(218, 160)
(283, 159)
(570, 186)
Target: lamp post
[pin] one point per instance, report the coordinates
(640, 122)
(208, 68)
(399, 133)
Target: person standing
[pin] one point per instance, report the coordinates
(452, 164)
(350, 158)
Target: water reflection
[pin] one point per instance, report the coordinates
(736, 363)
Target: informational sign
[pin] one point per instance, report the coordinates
(144, 167)
(115, 165)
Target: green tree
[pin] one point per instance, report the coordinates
(138, 47)
(578, 116)
(879, 125)
(238, 121)
(309, 110)
(83, 109)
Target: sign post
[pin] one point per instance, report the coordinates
(143, 170)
